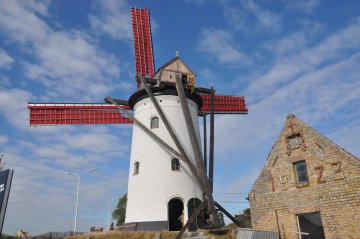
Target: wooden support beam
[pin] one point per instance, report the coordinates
(205, 143)
(214, 221)
(159, 141)
(233, 219)
(212, 137)
(190, 220)
(167, 123)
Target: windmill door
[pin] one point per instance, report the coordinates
(175, 214)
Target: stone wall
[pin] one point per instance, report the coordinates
(333, 188)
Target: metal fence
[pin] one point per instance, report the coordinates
(55, 235)
(247, 233)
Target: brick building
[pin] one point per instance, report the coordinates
(307, 185)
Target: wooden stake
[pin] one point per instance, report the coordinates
(205, 143)
(159, 140)
(212, 126)
(214, 220)
(191, 219)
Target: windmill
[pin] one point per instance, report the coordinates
(168, 171)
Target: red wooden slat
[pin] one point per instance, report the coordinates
(63, 114)
(224, 104)
(144, 58)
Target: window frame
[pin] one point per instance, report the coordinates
(153, 123)
(136, 168)
(299, 173)
(175, 164)
(295, 141)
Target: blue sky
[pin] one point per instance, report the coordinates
(293, 56)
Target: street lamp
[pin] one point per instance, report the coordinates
(108, 217)
(77, 192)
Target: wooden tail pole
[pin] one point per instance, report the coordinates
(212, 126)
(191, 219)
(205, 143)
(227, 214)
(214, 220)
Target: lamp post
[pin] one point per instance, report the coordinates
(108, 217)
(77, 192)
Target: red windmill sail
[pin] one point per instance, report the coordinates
(144, 57)
(65, 114)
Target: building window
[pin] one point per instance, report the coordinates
(310, 226)
(136, 168)
(154, 124)
(301, 174)
(175, 164)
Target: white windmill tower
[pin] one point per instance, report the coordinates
(161, 188)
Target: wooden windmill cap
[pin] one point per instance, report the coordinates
(165, 90)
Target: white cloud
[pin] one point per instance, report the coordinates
(219, 44)
(247, 12)
(20, 20)
(5, 60)
(13, 104)
(267, 19)
(290, 67)
(197, 2)
(67, 63)
(39, 165)
(307, 6)
(3, 139)
(4, 81)
(293, 43)
(316, 97)
(347, 136)
(112, 17)
(40, 182)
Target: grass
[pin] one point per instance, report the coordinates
(141, 235)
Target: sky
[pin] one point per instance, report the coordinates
(284, 56)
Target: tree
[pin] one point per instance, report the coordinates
(119, 212)
(244, 218)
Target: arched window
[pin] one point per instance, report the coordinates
(175, 164)
(136, 168)
(154, 124)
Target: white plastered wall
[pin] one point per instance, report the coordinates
(156, 184)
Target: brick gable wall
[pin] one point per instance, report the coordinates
(333, 188)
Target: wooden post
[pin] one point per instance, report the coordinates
(197, 152)
(191, 219)
(228, 214)
(212, 126)
(205, 143)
